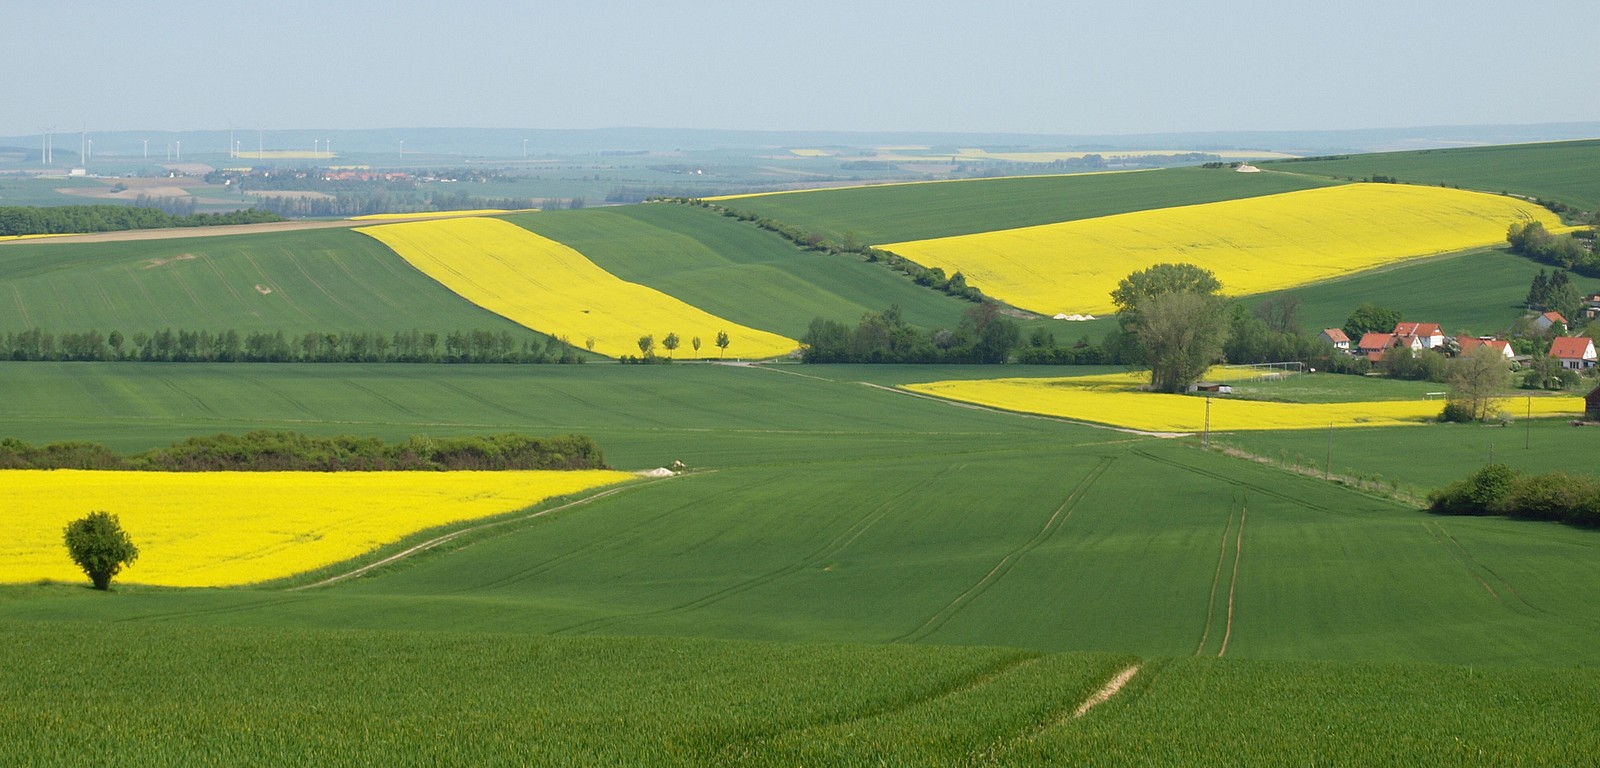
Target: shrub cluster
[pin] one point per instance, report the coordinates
(934, 277)
(983, 336)
(1530, 239)
(1500, 490)
(280, 451)
(182, 346)
(69, 219)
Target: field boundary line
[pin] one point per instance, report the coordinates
(437, 540)
(1024, 414)
(1002, 568)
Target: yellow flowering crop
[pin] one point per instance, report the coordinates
(549, 287)
(1113, 399)
(206, 529)
(1253, 245)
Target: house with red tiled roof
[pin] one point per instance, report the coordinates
(1429, 334)
(1545, 321)
(1574, 352)
(1336, 337)
(1374, 343)
(1468, 343)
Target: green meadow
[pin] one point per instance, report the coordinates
(1565, 171)
(326, 280)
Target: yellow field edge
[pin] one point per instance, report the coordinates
(214, 529)
(551, 288)
(1253, 245)
(1113, 399)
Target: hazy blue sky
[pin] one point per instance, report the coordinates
(1118, 66)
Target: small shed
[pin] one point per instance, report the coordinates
(1212, 386)
(1591, 405)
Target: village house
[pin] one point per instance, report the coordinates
(1591, 306)
(1336, 337)
(1574, 352)
(1468, 343)
(1429, 335)
(1548, 320)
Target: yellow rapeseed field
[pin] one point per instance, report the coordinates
(549, 287)
(207, 529)
(1113, 399)
(1253, 245)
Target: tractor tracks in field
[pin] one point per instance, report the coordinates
(836, 544)
(1507, 595)
(1001, 569)
(1243, 513)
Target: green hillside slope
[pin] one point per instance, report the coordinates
(897, 213)
(840, 512)
(736, 270)
(1568, 171)
(328, 280)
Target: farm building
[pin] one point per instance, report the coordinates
(1336, 337)
(1574, 352)
(1591, 405)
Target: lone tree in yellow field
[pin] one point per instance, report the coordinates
(100, 547)
(1176, 321)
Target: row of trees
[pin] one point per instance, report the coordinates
(69, 219)
(670, 343)
(1569, 251)
(983, 336)
(1498, 489)
(231, 346)
(282, 451)
(931, 277)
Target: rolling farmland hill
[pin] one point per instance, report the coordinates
(738, 271)
(848, 573)
(887, 214)
(326, 280)
(1566, 171)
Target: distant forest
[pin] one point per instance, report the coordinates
(74, 219)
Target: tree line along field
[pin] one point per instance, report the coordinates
(1565, 171)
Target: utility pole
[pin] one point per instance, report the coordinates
(1327, 462)
(1527, 432)
(1205, 437)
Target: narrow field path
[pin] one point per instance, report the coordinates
(453, 535)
